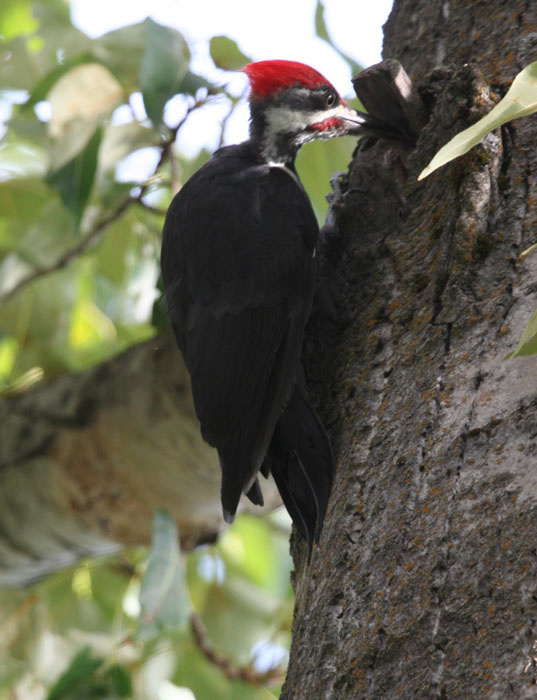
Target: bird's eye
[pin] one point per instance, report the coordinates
(330, 99)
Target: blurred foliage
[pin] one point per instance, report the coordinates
(322, 31)
(79, 246)
(86, 632)
(78, 241)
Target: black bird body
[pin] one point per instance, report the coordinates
(238, 264)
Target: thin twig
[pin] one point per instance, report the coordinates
(22, 609)
(168, 144)
(72, 253)
(153, 210)
(223, 124)
(243, 673)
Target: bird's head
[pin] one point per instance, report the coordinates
(291, 104)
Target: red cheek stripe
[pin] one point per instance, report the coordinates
(331, 123)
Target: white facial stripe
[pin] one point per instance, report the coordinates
(283, 120)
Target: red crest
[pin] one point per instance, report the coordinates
(267, 77)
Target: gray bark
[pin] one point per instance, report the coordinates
(424, 583)
(85, 459)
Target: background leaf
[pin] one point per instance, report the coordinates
(226, 54)
(86, 678)
(317, 162)
(77, 677)
(527, 345)
(322, 32)
(164, 65)
(16, 19)
(520, 100)
(43, 87)
(122, 50)
(163, 594)
(80, 100)
(528, 250)
(19, 68)
(74, 180)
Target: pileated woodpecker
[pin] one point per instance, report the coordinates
(238, 265)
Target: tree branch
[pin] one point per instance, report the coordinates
(73, 253)
(153, 210)
(85, 459)
(243, 673)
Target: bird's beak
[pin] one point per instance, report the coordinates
(361, 124)
(345, 120)
(352, 120)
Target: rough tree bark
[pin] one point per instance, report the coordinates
(424, 584)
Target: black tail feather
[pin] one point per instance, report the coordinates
(255, 494)
(300, 459)
(231, 493)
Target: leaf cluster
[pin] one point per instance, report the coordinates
(216, 621)
(79, 229)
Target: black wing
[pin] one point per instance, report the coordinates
(238, 268)
(301, 462)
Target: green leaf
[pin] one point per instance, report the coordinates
(122, 51)
(22, 159)
(44, 238)
(122, 139)
(322, 32)
(22, 198)
(80, 101)
(112, 193)
(19, 68)
(84, 679)
(520, 100)
(26, 126)
(192, 82)
(43, 87)
(320, 25)
(317, 162)
(159, 315)
(529, 250)
(74, 180)
(164, 65)
(75, 138)
(202, 677)
(59, 38)
(16, 19)
(118, 680)
(191, 165)
(76, 678)
(226, 54)
(163, 594)
(527, 345)
(112, 253)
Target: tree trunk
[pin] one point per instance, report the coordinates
(424, 583)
